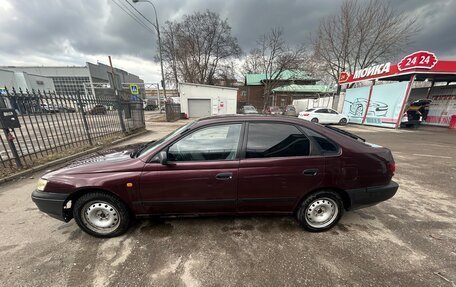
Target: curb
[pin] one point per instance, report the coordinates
(68, 158)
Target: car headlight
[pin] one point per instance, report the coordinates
(41, 184)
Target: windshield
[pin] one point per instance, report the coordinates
(153, 144)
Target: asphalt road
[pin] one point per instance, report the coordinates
(409, 240)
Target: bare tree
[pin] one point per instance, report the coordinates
(272, 57)
(196, 47)
(360, 35)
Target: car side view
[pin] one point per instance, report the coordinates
(323, 116)
(240, 164)
(376, 109)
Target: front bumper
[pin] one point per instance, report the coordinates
(51, 204)
(364, 197)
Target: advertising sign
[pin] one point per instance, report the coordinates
(355, 104)
(385, 104)
(418, 62)
(382, 109)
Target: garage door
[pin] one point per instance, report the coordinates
(199, 108)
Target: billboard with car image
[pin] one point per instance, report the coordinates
(382, 109)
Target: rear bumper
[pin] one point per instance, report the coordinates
(364, 197)
(51, 204)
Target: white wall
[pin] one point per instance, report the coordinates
(223, 99)
(24, 81)
(304, 104)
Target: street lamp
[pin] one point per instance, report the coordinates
(157, 27)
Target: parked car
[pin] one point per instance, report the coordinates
(273, 110)
(247, 109)
(224, 165)
(49, 108)
(98, 110)
(323, 116)
(290, 110)
(66, 109)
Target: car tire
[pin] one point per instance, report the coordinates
(320, 211)
(101, 215)
(343, 122)
(314, 120)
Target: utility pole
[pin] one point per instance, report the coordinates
(157, 28)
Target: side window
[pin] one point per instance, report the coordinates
(332, 111)
(326, 145)
(275, 140)
(211, 143)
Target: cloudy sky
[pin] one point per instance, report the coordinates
(72, 32)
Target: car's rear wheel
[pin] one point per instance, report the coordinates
(343, 121)
(101, 214)
(314, 120)
(320, 211)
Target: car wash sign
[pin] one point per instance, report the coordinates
(421, 60)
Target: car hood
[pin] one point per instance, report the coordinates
(116, 159)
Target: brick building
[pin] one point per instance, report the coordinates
(291, 85)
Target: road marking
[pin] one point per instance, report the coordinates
(430, 155)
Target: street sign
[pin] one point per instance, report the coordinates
(134, 89)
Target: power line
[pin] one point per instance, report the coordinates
(141, 14)
(134, 17)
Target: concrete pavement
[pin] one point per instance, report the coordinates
(409, 240)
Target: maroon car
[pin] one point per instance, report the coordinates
(224, 165)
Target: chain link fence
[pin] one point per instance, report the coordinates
(52, 125)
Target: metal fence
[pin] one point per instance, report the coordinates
(53, 123)
(173, 112)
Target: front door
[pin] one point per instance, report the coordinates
(323, 116)
(278, 168)
(201, 174)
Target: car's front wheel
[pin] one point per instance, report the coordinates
(320, 211)
(343, 122)
(101, 214)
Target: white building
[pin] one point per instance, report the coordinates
(24, 81)
(199, 100)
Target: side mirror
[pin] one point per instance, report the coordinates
(163, 157)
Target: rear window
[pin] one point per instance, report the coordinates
(276, 140)
(325, 145)
(309, 110)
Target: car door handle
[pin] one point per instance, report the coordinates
(224, 176)
(310, 172)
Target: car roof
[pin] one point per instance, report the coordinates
(251, 117)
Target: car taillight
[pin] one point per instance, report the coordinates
(305, 115)
(392, 167)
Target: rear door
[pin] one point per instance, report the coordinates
(278, 168)
(333, 116)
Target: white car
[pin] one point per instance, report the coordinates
(323, 116)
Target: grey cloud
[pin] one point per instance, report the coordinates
(94, 27)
